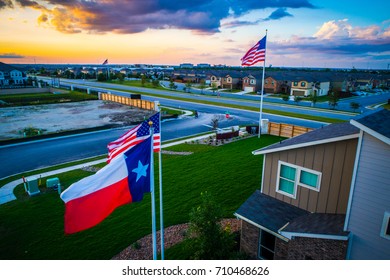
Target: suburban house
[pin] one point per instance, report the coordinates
(305, 86)
(11, 76)
(251, 83)
(277, 83)
(232, 81)
(368, 215)
(300, 210)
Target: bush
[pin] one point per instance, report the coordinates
(207, 240)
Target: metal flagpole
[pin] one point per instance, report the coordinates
(161, 191)
(262, 87)
(154, 235)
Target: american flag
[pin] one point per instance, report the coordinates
(135, 136)
(255, 54)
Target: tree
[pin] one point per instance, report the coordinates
(172, 85)
(155, 83)
(297, 99)
(202, 86)
(354, 106)
(143, 80)
(214, 87)
(313, 98)
(285, 97)
(207, 240)
(215, 121)
(188, 86)
(333, 99)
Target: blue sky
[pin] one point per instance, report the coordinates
(301, 33)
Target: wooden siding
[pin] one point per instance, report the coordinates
(371, 198)
(143, 104)
(334, 160)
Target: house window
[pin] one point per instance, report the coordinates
(295, 84)
(287, 178)
(385, 231)
(266, 245)
(303, 84)
(252, 82)
(291, 176)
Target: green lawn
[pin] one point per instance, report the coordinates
(32, 228)
(44, 98)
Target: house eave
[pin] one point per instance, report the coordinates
(261, 227)
(306, 144)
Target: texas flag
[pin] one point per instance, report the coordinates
(92, 199)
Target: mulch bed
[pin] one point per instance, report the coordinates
(142, 249)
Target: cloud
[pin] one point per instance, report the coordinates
(125, 16)
(6, 4)
(338, 39)
(10, 55)
(278, 14)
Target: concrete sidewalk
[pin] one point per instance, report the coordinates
(7, 191)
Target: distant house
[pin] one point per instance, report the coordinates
(300, 210)
(307, 86)
(368, 215)
(277, 84)
(187, 65)
(251, 83)
(232, 81)
(11, 76)
(203, 65)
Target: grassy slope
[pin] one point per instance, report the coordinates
(32, 228)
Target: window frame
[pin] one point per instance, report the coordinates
(297, 180)
(385, 225)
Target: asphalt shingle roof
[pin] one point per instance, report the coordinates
(326, 132)
(379, 122)
(318, 223)
(269, 212)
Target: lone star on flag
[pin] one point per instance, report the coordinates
(140, 170)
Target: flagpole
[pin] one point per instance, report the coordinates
(161, 191)
(154, 235)
(262, 88)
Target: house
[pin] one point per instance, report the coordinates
(232, 80)
(187, 65)
(368, 215)
(251, 83)
(300, 209)
(11, 76)
(305, 86)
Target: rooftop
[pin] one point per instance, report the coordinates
(326, 134)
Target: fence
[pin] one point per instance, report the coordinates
(143, 104)
(286, 130)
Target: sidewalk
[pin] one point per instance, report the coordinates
(7, 191)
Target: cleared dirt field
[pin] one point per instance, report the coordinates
(67, 116)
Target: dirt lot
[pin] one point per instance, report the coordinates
(68, 116)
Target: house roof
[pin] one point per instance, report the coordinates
(326, 134)
(377, 124)
(328, 226)
(7, 68)
(268, 212)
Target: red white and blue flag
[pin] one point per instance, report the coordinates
(90, 200)
(134, 136)
(255, 54)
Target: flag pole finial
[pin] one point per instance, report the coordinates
(150, 123)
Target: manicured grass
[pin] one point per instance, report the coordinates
(44, 98)
(32, 227)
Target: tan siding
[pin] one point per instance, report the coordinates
(335, 180)
(317, 165)
(267, 179)
(334, 160)
(329, 150)
(347, 177)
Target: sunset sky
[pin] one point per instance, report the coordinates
(301, 33)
